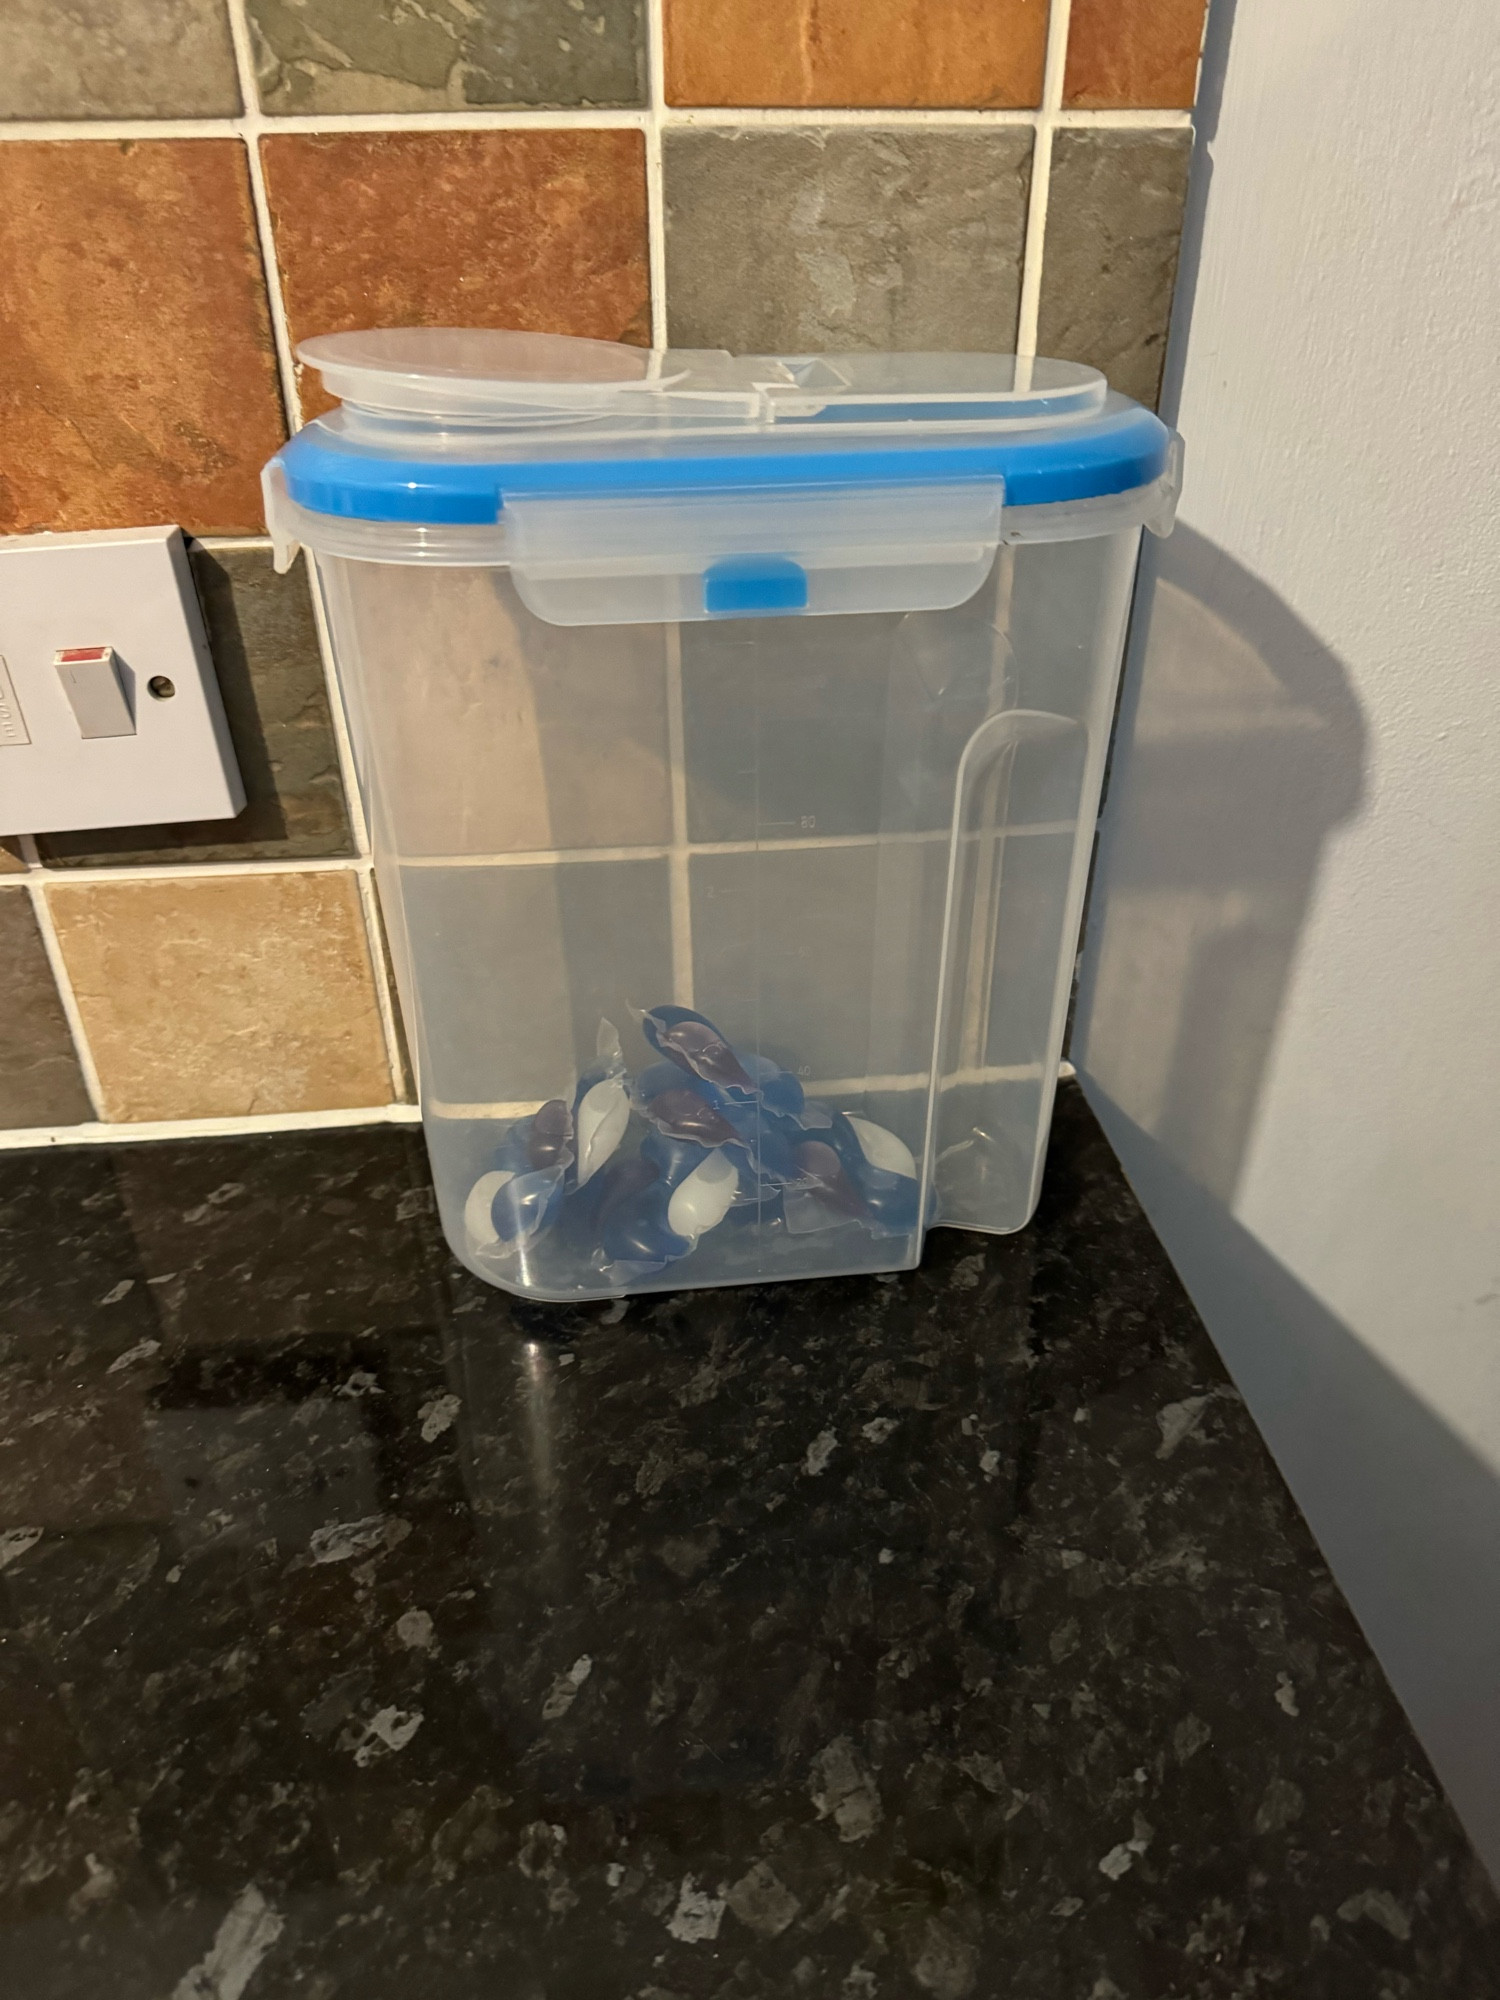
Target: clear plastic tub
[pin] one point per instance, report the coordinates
(731, 733)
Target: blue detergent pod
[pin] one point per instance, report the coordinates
(769, 1142)
(659, 1076)
(762, 1211)
(524, 1205)
(691, 1040)
(634, 1232)
(881, 1167)
(579, 1220)
(517, 1197)
(779, 1090)
(673, 1159)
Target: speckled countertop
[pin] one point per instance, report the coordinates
(365, 1633)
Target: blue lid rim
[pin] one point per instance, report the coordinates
(1126, 448)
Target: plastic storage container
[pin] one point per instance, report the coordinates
(731, 732)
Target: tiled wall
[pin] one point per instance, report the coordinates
(189, 187)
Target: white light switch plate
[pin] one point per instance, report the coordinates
(129, 589)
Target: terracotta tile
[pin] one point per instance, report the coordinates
(795, 242)
(544, 231)
(224, 995)
(1133, 52)
(855, 52)
(345, 55)
(1114, 223)
(265, 647)
(116, 59)
(40, 1081)
(137, 382)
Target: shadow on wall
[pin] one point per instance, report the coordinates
(1244, 746)
(1407, 1515)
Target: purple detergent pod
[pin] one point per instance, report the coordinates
(823, 1177)
(549, 1136)
(683, 1113)
(691, 1040)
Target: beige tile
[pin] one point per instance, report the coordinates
(224, 995)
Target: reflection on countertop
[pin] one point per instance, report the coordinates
(364, 1632)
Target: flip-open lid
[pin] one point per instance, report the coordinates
(621, 485)
(477, 375)
(446, 425)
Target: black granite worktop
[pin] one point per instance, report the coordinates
(366, 1633)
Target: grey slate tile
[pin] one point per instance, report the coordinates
(821, 240)
(1114, 220)
(389, 55)
(265, 648)
(116, 59)
(40, 1081)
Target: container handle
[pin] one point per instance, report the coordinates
(980, 828)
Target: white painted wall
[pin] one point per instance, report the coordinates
(1290, 1019)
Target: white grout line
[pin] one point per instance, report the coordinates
(213, 542)
(632, 120)
(824, 1086)
(712, 117)
(249, 127)
(251, 119)
(384, 999)
(656, 196)
(1053, 74)
(62, 979)
(1121, 121)
(548, 857)
(23, 1137)
(540, 857)
(203, 871)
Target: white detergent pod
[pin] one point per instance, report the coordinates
(478, 1224)
(883, 1149)
(603, 1114)
(702, 1201)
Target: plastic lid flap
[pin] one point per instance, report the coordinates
(671, 557)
